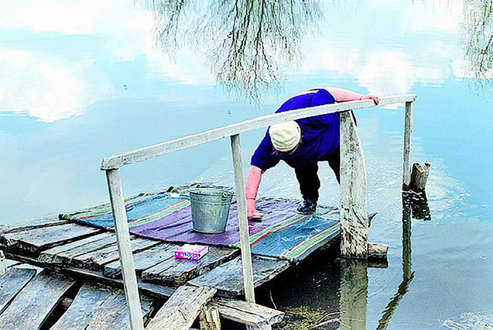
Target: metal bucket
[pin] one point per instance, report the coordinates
(210, 209)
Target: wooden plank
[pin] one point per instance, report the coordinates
(16, 229)
(35, 302)
(64, 254)
(228, 278)
(182, 308)
(11, 283)
(246, 254)
(96, 259)
(115, 162)
(408, 132)
(124, 249)
(209, 318)
(353, 199)
(99, 307)
(38, 239)
(154, 290)
(89, 298)
(247, 313)
(143, 259)
(177, 271)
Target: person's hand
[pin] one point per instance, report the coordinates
(252, 213)
(374, 98)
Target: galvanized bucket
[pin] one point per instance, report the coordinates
(210, 209)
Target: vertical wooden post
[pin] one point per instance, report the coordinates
(246, 257)
(408, 131)
(353, 200)
(3, 264)
(124, 249)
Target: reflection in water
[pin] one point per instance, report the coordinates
(478, 38)
(353, 294)
(418, 204)
(248, 42)
(407, 273)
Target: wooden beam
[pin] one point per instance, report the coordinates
(125, 250)
(246, 255)
(182, 308)
(138, 155)
(408, 132)
(353, 200)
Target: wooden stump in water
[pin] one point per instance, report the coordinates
(419, 176)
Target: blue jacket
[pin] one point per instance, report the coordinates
(319, 134)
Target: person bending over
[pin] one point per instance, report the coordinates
(301, 144)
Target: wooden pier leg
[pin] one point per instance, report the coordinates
(353, 199)
(3, 264)
(124, 249)
(353, 294)
(246, 257)
(408, 131)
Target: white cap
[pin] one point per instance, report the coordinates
(285, 136)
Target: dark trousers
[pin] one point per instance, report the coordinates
(308, 178)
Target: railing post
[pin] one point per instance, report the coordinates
(246, 257)
(353, 210)
(408, 131)
(124, 249)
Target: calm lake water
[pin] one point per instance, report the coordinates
(83, 80)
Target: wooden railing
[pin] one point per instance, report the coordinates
(353, 205)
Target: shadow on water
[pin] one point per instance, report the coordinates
(332, 292)
(248, 42)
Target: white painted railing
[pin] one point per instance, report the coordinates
(353, 201)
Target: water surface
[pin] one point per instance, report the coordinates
(81, 81)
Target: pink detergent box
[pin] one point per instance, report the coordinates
(190, 251)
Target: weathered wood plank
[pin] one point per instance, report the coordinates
(353, 199)
(113, 313)
(228, 277)
(38, 239)
(83, 307)
(246, 253)
(64, 254)
(247, 313)
(143, 259)
(99, 307)
(154, 290)
(96, 259)
(209, 318)
(182, 308)
(16, 229)
(177, 271)
(115, 162)
(11, 283)
(35, 302)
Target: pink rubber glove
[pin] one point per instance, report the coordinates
(251, 189)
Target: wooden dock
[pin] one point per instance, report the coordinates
(78, 282)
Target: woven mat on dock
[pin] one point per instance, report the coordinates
(282, 233)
